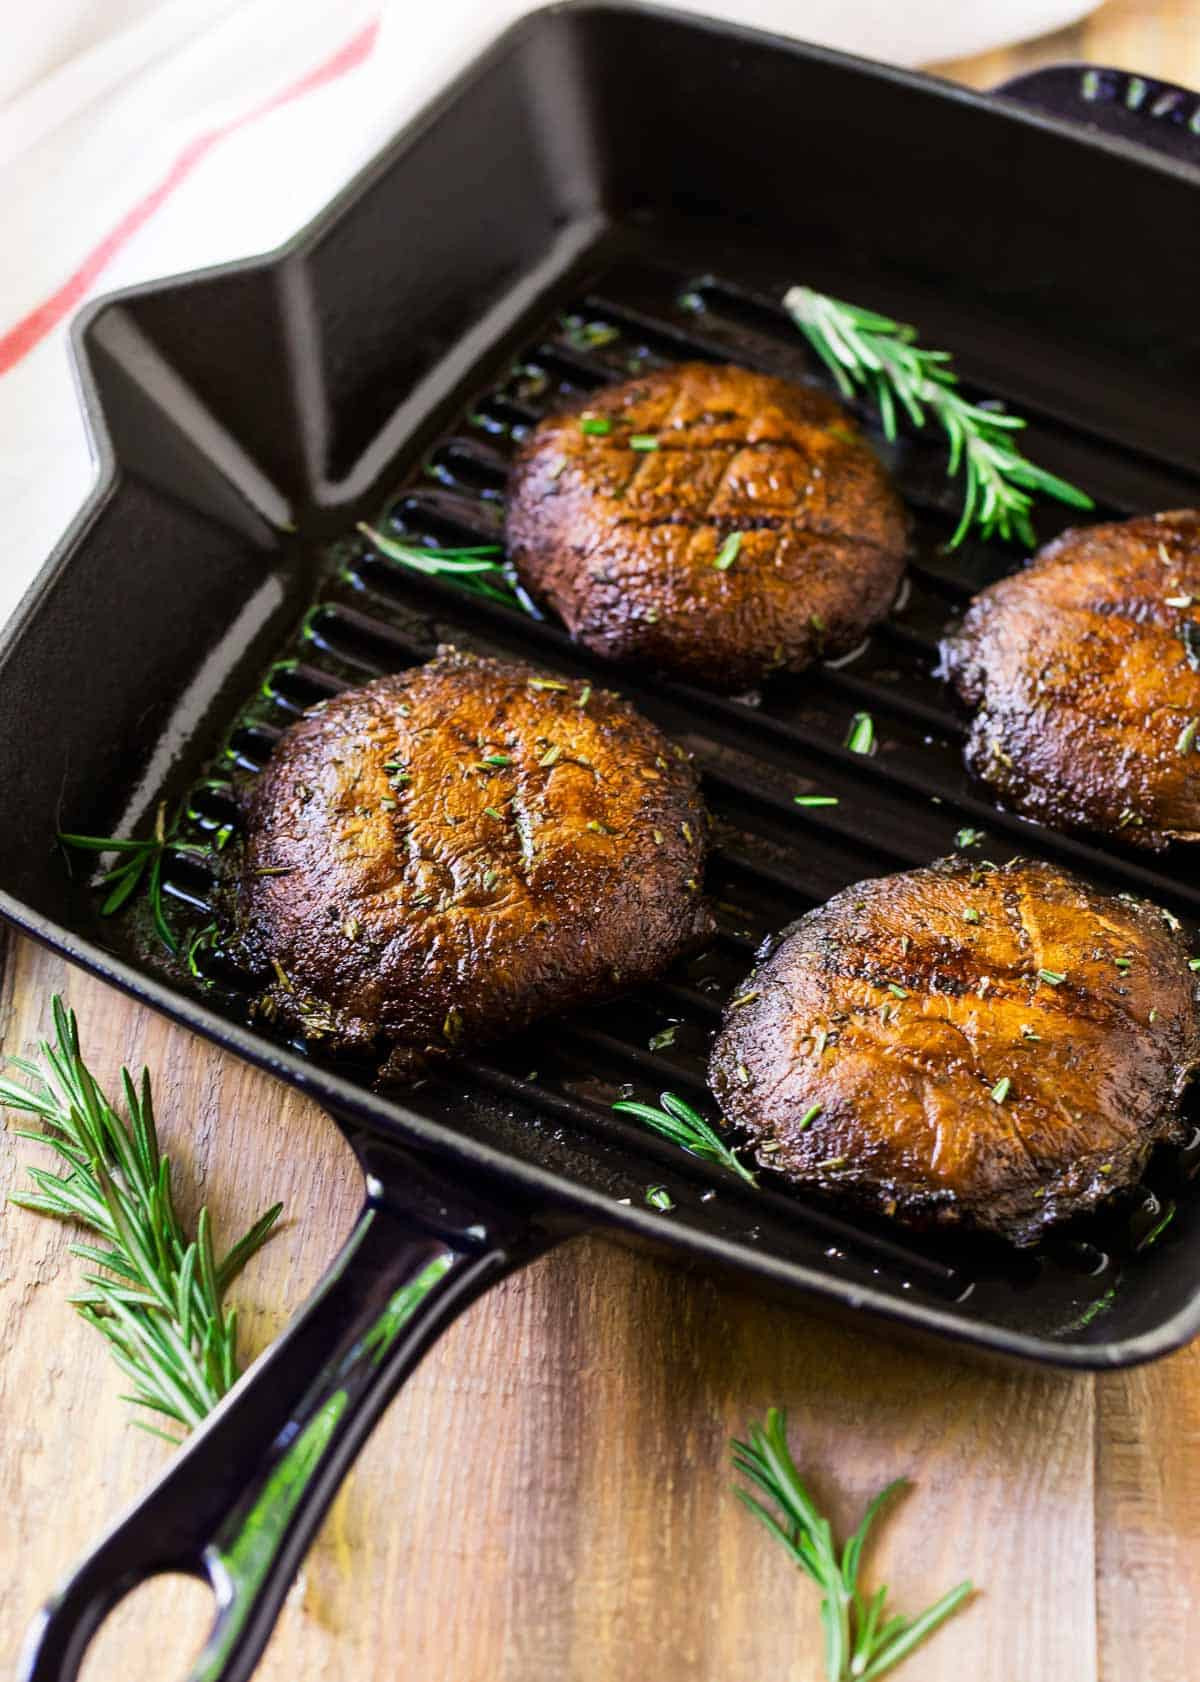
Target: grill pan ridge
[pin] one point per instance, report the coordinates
(255, 478)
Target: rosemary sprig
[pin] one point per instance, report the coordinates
(861, 1643)
(473, 568)
(160, 1299)
(870, 353)
(140, 864)
(687, 1128)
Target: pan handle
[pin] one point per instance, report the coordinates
(1117, 102)
(241, 1502)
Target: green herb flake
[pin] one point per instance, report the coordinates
(810, 1115)
(743, 999)
(551, 757)
(968, 838)
(970, 915)
(658, 1197)
(491, 812)
(497, 759)
(815, 799)
(642, 441)
(594, 426)
(860, 738)
(1052, 977)
(896, 990)
(1001, 1090)
(728, 552)
(661, 1040)
(547, 683)
(1193, 963)
(585, 695)
(1187, 736)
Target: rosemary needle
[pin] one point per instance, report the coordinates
(478, 568)
(871, 354)
(686, 1127)
(160, 1297)
(861, 1642)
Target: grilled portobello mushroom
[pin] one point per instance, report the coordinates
(1086, 672)
(713, 522)
(960, 1044)
(446, 854)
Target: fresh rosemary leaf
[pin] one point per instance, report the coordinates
(685, 1127)
(160, 1300)
(476, 568)
(861, 1644)
(141, 864)
(871, 355)
(815, 799)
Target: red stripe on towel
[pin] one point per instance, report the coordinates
(29, 331)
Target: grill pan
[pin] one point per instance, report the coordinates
(609, 188)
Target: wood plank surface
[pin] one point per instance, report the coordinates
(548, 1501)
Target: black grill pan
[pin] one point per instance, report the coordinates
(609, 188)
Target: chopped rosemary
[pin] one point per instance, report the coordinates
(661, 1040)
(870, 353)
(861, 1642)
(1001, 1090)
(547, 683)
(1193, 963)
(860, 738)
(594, 426)
(968, 838)
(1052, 977)
(1189, 635)
(685, 1127)
(1187, 736)
(491, 812)
(815, 799)
(743, 999)
(658, 1197)
(643, 441)
(970, 915)
(810, 1115)
(550, 757)
(728, 552)
(497, 759)
(163, 1313)
(896, 990)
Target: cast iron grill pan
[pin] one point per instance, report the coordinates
(510, 1149)
(901, 806)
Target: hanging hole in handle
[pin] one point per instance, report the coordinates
(157, 1629)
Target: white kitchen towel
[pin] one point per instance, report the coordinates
(139, 138)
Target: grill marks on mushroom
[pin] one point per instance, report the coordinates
(1003, 1069)
(470, 845)
(711, 521)
(1086, 672)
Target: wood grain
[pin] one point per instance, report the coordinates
(549, 1499)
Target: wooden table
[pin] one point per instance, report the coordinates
(549, 1499)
